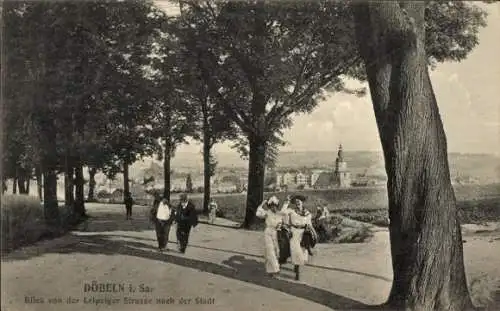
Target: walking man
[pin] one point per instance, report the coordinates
(163, 217)
(128, 205)
(186, 218)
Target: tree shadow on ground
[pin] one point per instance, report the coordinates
(206, 222)
(237, 267)
(228, 251)
(108, 220)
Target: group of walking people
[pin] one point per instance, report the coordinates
(289, 230)
(163, 215)
(289, 233)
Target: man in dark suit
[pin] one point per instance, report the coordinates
(186, 218)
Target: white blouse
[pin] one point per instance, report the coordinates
(163, 212)
(296, 220)
(273, 220)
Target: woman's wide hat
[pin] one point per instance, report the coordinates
(273, 201)
(298, 197)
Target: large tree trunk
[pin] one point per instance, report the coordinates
(14, 185)
(21, 183)
(92, 184)
(79, 190)
(207, 174)
(126, 184)
(166, 169)
(28, 179)
(69, 196)
(207, 166)
(39, 183)
(167, 156)
(426, 242)
(50, 205)
(256, 174)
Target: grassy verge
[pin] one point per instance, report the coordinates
(23, 222)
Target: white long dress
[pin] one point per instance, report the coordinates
(273, 220)
(299, 255)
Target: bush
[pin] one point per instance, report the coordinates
(479, 210)
(220, 213)
(103, 194)
(22, 220)
(340, 229)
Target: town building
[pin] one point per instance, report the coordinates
(340, 177)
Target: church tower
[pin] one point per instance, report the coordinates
(341, 176)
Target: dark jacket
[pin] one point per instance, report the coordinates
(309, 239)
(129, 201)
(284, 245)
(186, 216)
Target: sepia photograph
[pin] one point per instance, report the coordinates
(220, 155)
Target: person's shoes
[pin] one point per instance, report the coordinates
(160, 249)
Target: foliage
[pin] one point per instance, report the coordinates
(22, 221)
(75, 69)
(271, 60)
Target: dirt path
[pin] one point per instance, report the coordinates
(221, 270)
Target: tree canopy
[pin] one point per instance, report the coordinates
(269, 60)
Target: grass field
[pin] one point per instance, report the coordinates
(477, 203)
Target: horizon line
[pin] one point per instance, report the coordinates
(349, 151)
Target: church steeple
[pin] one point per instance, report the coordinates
(340, 154)
(341, 174)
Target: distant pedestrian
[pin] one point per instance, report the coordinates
(320, 222)
(163, 216)
(212, 206)
(186, 218)
(129, 202)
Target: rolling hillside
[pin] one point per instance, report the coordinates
(481, 167)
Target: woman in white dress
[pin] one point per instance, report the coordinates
(298, 219)
(268, 210)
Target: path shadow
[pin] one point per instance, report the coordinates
(236, 267)
(228, 251)
(206, 222)
(352, 272)
(107, 222)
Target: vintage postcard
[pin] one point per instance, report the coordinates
(250, 155)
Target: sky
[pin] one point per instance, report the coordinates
(467, 94)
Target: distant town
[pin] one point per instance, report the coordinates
(294, 172)
(234, 179)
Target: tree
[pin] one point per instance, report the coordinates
(396, 40)
(174, 118)
(213, 126)
(63, 51)
(271, 61)
(189, 184)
